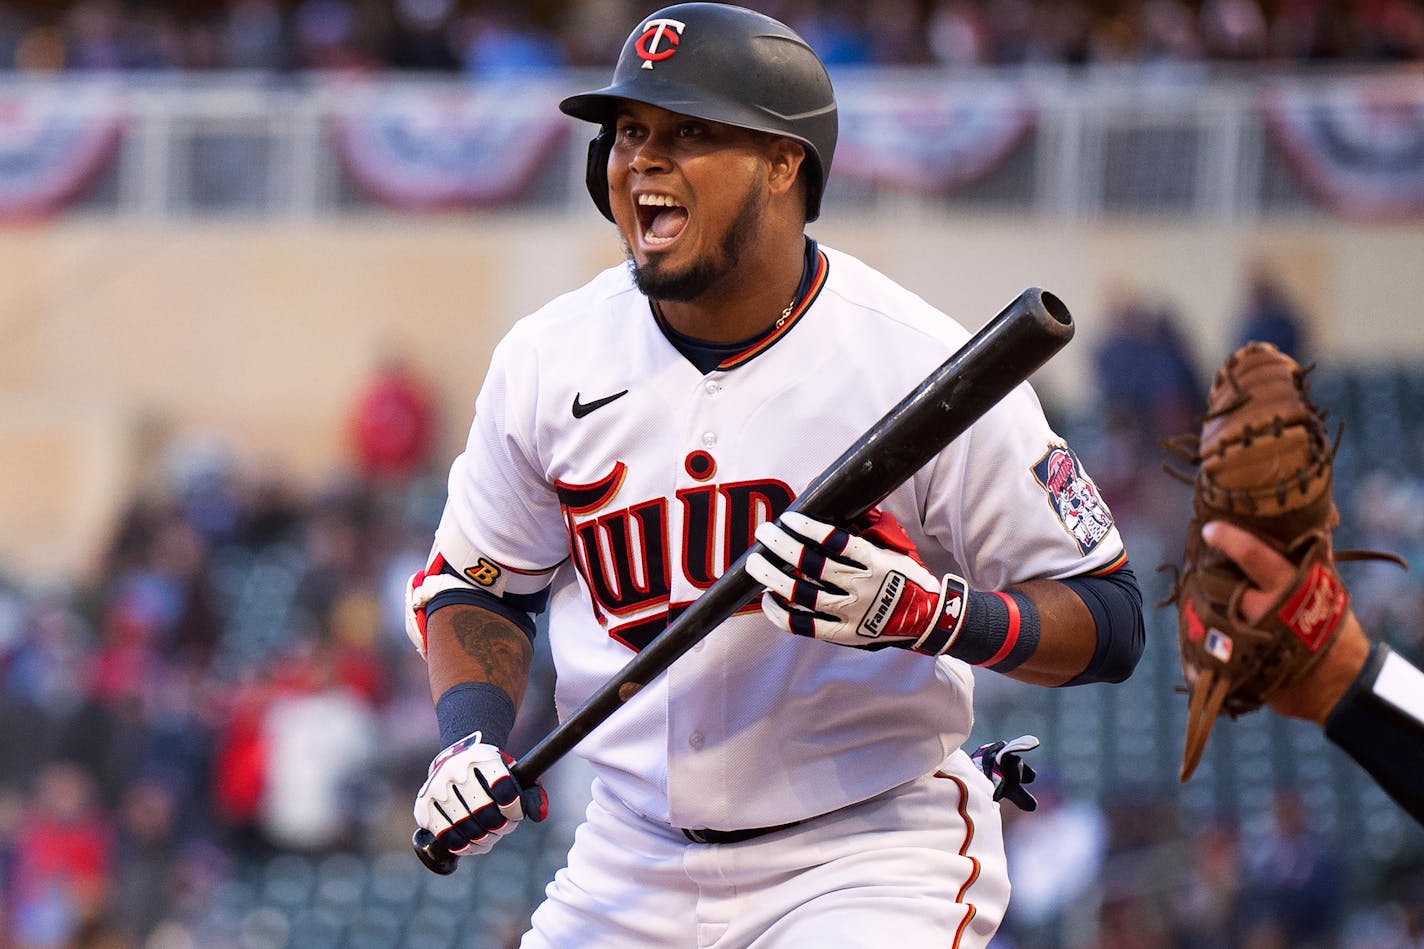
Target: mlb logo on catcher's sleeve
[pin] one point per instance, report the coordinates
(1218, 645)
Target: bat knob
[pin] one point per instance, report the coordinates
(435, 855)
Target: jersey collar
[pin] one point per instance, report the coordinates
(709, 357)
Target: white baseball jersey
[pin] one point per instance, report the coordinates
(602, 461)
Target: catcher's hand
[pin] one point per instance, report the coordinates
(1265, 465)
(1272, 580)
(470, 799)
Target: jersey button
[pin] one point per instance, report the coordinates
(709, 439)
(696, 741)
(712, 387)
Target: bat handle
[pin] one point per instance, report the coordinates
(435, 855)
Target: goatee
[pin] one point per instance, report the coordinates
(657, 283)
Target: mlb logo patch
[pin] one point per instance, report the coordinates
(1218, 645)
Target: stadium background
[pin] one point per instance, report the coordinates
(253, 260)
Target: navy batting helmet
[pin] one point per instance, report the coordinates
(724, 64)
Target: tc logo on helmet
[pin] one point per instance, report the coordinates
(654, 33)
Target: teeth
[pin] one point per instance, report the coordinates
(657, 201)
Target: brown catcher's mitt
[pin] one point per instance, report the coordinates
(1264, 463)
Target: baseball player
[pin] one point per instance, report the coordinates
(635, 436)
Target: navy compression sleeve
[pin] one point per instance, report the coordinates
(1115, 601)
(1378, 723)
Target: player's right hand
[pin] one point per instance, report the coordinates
(866, 589)
(470, 799)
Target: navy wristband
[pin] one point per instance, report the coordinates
(1000, 631)
(475, 707)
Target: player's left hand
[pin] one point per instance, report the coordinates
(470, 800)
(867, 589)
(1002, 763)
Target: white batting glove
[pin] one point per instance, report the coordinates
(420, 589)
(470, 799)
(866, 589)
(1002, 763)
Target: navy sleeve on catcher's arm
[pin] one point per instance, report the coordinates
(1380, 723)
(1115, 601)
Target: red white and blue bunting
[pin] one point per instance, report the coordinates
(929, 140)
(1355, 145)
(54, 141)
(421, 148)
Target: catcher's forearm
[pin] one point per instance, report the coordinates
(1380, 723)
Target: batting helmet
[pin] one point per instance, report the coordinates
(724, 64)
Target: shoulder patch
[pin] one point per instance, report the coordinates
(1073, 496)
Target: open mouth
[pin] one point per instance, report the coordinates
(660, 219)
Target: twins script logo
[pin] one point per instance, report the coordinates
(650, 46)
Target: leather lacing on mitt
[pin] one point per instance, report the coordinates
(1264, 463)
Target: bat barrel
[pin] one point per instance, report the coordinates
(995, 360)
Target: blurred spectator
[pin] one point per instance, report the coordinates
(319, 737)
(1233, 29)
(1148, 391)
(832, 29)
(1388, 514)
(1295, 892)
(1147, 370)
(327, 36)
(147, 849)
(92, 28)
(393, 422)
(896, 34)
(1205, 904)
(588, 30)
(1061, 33)
(64, 853)
(253, 36)
(1141, 867)
(486, 38)
(502, 41)
(958, 35)
(1167, 32)
(1055, 855)
(420, 36)
(1270, 316)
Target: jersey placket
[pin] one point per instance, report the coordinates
(697, 683)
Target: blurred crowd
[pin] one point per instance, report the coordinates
(1126, 873)
(231, 683)
(490, 37)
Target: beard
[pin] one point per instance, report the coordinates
(658, 282)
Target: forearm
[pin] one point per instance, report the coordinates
(1380, 723)
(470, 644)
(480, 652)
(1067, 635)
(1073, 631)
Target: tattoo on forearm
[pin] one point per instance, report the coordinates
(500, 649)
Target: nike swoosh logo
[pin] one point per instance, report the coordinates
(583, 408)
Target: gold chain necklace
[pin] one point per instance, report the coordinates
(780, 320)
(786, 313)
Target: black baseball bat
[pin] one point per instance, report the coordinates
(1004, 353)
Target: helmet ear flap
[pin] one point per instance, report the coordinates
(596, 172)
